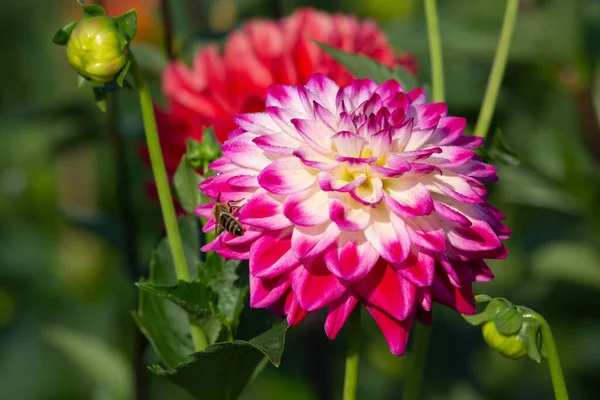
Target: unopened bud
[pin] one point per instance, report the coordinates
(509, 346)
(97, 49)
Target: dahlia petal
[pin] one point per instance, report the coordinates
(308, 208)
(348, 143)
(282, 117)
(470, 142)
(417, 96)
(353, 95)
(427, 115)
(316, 135)
(286, 97)
(477, 237)
(271, 256)
(311, 241)
(325, 88)
(427, 232)
(418, 138)
(352, 258)
(448, 130)
(390, 239)
(381, 143)
(314, 159)
(418, 269)
(249, 235)
(424, 298)
(448, 266)
(348, 214)
(244, 152)
(338, 313)
(286, 176)
(243, 182)
(295, 313)
(416, 155)
(331, 183)
(389, 88)
(395, 332)
(456, 187)
(314, 286)
(388, 291)
(325, 116)
(451, 156)
(264, 292)
(278, 143)
(450, 214)
(263, 210)
(408, 198)
(369, 193)
(481, 272)
(259, 122)
(241, 252)
(461, 299)
(204, 210)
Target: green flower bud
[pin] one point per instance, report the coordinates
(513, 331)
(97, 49)
(509, 346)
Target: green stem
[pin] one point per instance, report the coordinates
(556, 374)
(164, 190)
(415, 374)
(500, 59)
(435, 50)
(352, 353)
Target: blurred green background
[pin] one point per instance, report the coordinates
(66, 277)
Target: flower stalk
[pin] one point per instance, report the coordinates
(556, 373)
(352, 356)
(435, 50)
(164, 190)
(415, 374)
(498, 68)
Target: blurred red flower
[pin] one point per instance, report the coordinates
(263, 52)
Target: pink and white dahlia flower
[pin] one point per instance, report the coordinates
(363, 193)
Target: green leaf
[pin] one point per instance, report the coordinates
(224, 369)
(499, 151)
(222, 277)
(362, 67)
(91, 10)
(197, 299)
(568, 261)
(164, 323)
(508, 321)
(185, 182)
(123, 73)
(62, 36)
(104, 364)
(128, 23)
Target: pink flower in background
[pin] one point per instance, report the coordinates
(220, 85)
(363, 193)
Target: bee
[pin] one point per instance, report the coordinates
(223, 215)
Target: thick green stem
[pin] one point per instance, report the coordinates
(352, 353)
(495, 79)
(556, 374)
(435, 50)
(415, 374)
(163, 188)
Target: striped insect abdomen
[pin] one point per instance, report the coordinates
(231, 224)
